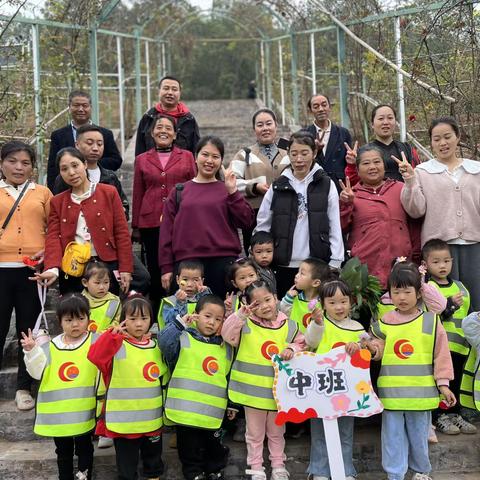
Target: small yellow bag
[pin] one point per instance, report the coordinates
(75, 257)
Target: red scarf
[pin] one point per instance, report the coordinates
(180, 111)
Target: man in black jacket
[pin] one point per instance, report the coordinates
(80, 108)
(169, 90)
(330, 138)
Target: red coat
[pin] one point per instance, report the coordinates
(106, 223)
(377, 226)
(152, 184)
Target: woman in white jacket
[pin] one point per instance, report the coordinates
(301, 211)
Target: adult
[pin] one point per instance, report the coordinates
(258, 165)
(202, 222)
(169, 91)
(384, 122)
(301, 211)
(22, 237)
(446, 190)
(157, 171)
(86, 212)
(80, 109)
(373, 217)
(331, 139)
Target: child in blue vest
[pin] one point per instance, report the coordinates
(261, 253)
(132, 369)
(66, 399)
(438, 260)
(258, 331)
(190, 290)
(197, 392)
(241, 274)
(416, 368)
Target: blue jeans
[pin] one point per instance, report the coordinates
(318, 447)
(405, 442)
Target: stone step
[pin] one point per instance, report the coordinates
(16, 426)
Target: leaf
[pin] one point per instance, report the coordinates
(366, 397)
(359, 405)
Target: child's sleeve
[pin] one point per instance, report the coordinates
(170, 312)
(286, 304)
(298, 344)
(433, 299)
(35, 361)
(169, 342)
(314, 334)
(442, 359)
(232, 328)
(471, 329)
(101, 352)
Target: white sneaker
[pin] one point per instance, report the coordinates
(445, 425)
(462, 424)
(105, 442)
(421, 476)
(316, 477)
(256, 474)
(279, 473)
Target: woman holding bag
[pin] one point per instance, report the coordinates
(24, 209)
(87, 216)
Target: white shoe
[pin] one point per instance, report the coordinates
(105, 442)
(279, 473)
(256, 474)
(421, 476)
(316, 477)
(462, 424)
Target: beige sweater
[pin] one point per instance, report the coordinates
(452, 210)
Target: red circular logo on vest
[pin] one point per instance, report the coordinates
(403, 349)
(269, 349)
(68, 372)
(307, 318)
(151, 372)
(210, 365)
(338, 344)
(92, 326)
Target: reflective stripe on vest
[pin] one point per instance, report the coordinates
(172, 301)
(406, 377)
(453, 325)
(197, 391)
(101, 317)
(382, 309)
(66, 397)
(334, 336)
(134, 396)
(251, 378)
(466, 385)
(301, 313)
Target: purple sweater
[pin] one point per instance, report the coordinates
(205, 224)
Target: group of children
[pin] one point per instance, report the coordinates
(107, 374)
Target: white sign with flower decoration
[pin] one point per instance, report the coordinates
(326, 386)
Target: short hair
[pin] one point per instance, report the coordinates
(89, 128)
(15, 146)
(157, 118)
(264, 110)
(191, 265)
(320, 269)
(79, 93)
(209, 299)
(432, 245)
(73, 304)
(237, 265)
(170, 77)
(303, 137)
(70, 151)
(95, 267)
(134, 304)
(404, 275)
(329, 288)
(255, 286)
(215, 141)
(446, 120)
(261, 238)
(377, 107)
(369, 147)
(309, 103)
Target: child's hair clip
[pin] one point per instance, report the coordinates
(134, 293)
(400, 259)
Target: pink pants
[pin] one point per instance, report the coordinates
(259, 423)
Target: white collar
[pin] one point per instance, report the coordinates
(329, 127)
(434, 166)
(4, 184)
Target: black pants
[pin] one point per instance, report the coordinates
(200, 451)
(129, 450)
(82, 447)
(19, 293)
(247, 234)
(285, 280)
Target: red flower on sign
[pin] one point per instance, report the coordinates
(361, 359)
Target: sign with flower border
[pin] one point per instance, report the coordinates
(327, 386)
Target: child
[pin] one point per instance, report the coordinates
(259, 330)
(190, 289)
(66, 397)
(438, 260)
(416, 365)
(296, 303)
(470, 386)
(327, 331)
(261, 252)
(132, 368)
(197, 391)
(104, 306)
(241, 274)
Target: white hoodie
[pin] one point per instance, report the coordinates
(301, 235)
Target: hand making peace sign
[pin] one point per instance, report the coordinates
(406, 170)
(351, 156)
(230, 180)
(346, 195)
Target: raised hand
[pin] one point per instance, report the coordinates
(319, 140)
(27, 341)
(190, 318)
(317, 316)
(230, 180)
(346, 195)
(181, 295)
(351, 156)
(120, 329)
(248, 310)
(406, 170)
(293, 292)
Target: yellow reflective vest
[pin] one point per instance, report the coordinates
(334, 336)
(301, 313)
(197, 391)
(66, 397)
(470, 384)
(251, 378)
(171, 301)
(406, 376)
(134, 402)
(102, 315)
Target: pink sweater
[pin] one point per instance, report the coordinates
(232, 329)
